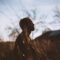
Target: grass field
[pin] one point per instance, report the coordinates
(46, 48)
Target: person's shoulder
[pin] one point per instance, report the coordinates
(18, 37)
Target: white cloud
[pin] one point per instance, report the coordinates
(13, 11)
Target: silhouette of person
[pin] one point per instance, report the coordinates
(23, 40)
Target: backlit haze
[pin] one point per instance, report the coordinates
(45, 14)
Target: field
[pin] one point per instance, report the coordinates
(5, 49)
(46, 49)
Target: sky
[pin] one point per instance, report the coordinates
(11, 11)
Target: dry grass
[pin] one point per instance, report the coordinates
(46, 49)
(5, 49)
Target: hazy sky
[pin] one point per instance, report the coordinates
(12, 10)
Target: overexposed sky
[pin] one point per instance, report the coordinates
(11, 11)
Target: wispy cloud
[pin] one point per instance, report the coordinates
(12, 10)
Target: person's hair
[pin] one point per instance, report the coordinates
(26, 23)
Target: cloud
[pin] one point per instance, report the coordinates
(13, 10)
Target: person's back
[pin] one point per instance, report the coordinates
(20, 42)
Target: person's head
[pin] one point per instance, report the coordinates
(26, 23)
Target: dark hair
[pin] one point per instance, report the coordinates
(26, 23)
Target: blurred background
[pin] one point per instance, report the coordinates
(45, 14)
